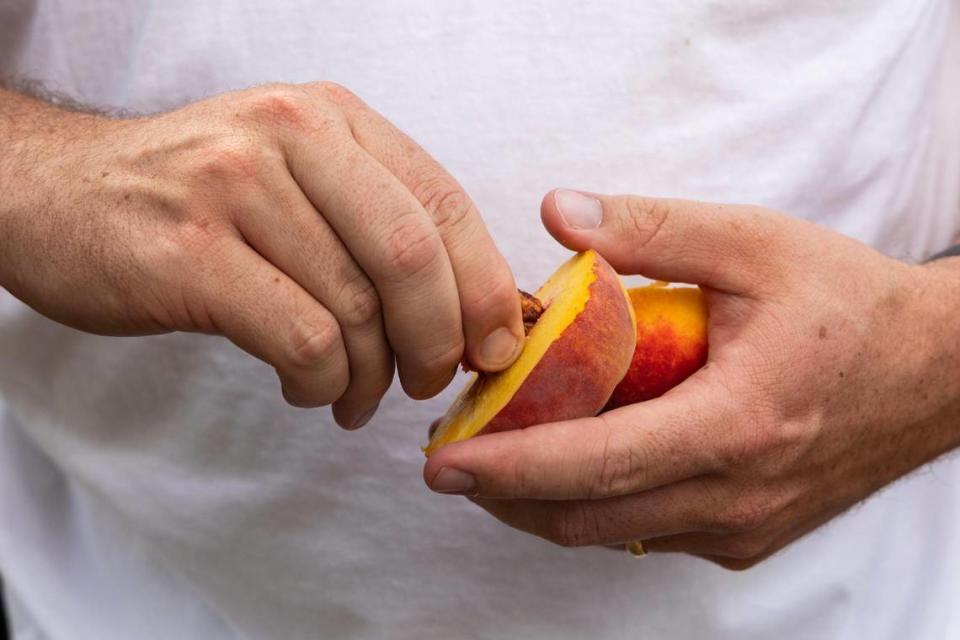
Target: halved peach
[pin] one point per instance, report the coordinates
(575, 354)
(671, 342)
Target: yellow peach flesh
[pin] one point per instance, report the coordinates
(565, 296)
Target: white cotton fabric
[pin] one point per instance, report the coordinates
(158, 488)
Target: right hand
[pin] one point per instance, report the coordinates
(292, 219)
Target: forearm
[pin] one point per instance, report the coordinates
(35, 141)
(33, 132)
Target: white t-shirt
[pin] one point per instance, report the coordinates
(159, 488)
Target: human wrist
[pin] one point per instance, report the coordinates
(40, 147)
(938, 342)
(37, 139)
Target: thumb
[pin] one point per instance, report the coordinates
(721, 246)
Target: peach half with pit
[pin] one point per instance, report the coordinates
(579, 346)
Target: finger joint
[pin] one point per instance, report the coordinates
(313, 344)
(648, 217)
(450, 207)
(410, 249)
(359, 303)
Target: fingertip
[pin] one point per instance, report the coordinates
(485, 458)
(441, 458)
(317, 386)
(548, 206)
(351, 419)
(571, 217)
(548, 214)
(301, 398)
(419, 392)
(498, 350)
(294, 399)
(427, 473)
(492, 314)
(418, 388)
(431, 469)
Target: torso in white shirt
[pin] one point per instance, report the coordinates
(159, 488)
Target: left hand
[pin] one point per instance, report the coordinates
(833, 370)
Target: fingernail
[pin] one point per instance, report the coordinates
(454, 481)
(364, 419)
(498, 348)
(577, 210)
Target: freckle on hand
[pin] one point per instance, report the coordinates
(823, 332)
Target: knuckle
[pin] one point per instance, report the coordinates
(281, 103)
(571, 527)
(617, 465)
(313, 344)
(795, 438)
(762, 441)
(744, 548)
(522, 480)
(290, 106)
(746, 514)
(360, 304)
(410, 249)
(450, 207)
(754, 437)
(645, 219)
(495, 295)
(334, 91)
(231, 161)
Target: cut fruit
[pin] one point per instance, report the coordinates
(671, 342)
(576, 352)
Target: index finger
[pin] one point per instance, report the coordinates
(490, 308)
(624, 451)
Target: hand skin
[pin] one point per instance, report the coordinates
(833, 371)
(292, 219)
